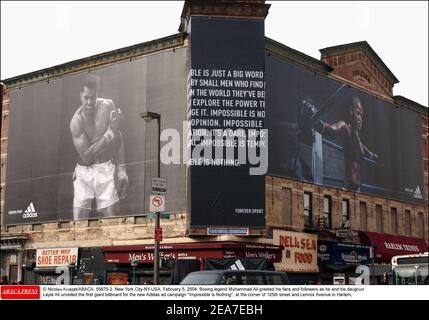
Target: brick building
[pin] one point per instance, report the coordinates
(293, 208)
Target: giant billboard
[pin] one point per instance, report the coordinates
(227, 163)
(78, 148)
(325, 132)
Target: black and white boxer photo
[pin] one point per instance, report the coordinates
(100, 179)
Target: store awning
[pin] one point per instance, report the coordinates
(194, 250)
(387, 245)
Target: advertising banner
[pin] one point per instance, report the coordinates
(226, 111)
(328, 133)
(78, 148)
(56, 257)
(144, 254)
(338, 253)
(235, 264)
(299, 253)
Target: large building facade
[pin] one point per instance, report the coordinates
(331, 197)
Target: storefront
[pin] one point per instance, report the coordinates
(85, 266)
(11, 256)
(338, 260)
(179, 259)
(55, 266)
(386, 246)
(299, 256)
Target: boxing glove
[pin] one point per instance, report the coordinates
(305, 129)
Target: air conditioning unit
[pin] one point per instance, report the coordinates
(345, 224)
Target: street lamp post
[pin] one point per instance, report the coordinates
(373, 273)
(23, 271)
(148, 117)
(134, 264)
(72, 266)
(373, 268)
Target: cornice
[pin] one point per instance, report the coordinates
(411, 105)
(256, 9)
(98, 60)
(365, 48)
(297, 57)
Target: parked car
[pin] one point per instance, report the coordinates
(236, 277)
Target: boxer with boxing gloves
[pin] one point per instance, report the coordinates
(100, 173)
(349, 129)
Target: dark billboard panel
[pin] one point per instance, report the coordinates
(78, 148)
(226, 113)
(324, 132)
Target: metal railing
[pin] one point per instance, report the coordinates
(320, 223)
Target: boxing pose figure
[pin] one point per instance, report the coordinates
(354, 149)
(100, 173)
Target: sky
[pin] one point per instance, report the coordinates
(37, 35)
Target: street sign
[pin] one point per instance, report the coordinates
(164, 215)
(158, 234)
(150, 215)
(157, 203)
(159, 186)
(343, 233)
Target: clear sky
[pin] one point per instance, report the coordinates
(37, 35)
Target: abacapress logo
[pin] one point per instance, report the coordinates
(20, 292)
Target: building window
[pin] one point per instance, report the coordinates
(37, 227)
(308, 209)
(287, 206)
(421, 225)
(94, 223)
(346, 212)
(362, 211)
(408, 222)
(64, 225)
(393, 221)
(140, 220)
(327, 206)
(378, 218)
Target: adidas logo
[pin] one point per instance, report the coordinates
(30, 212)
(417, 190)
(237, 266)
(418, 193)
